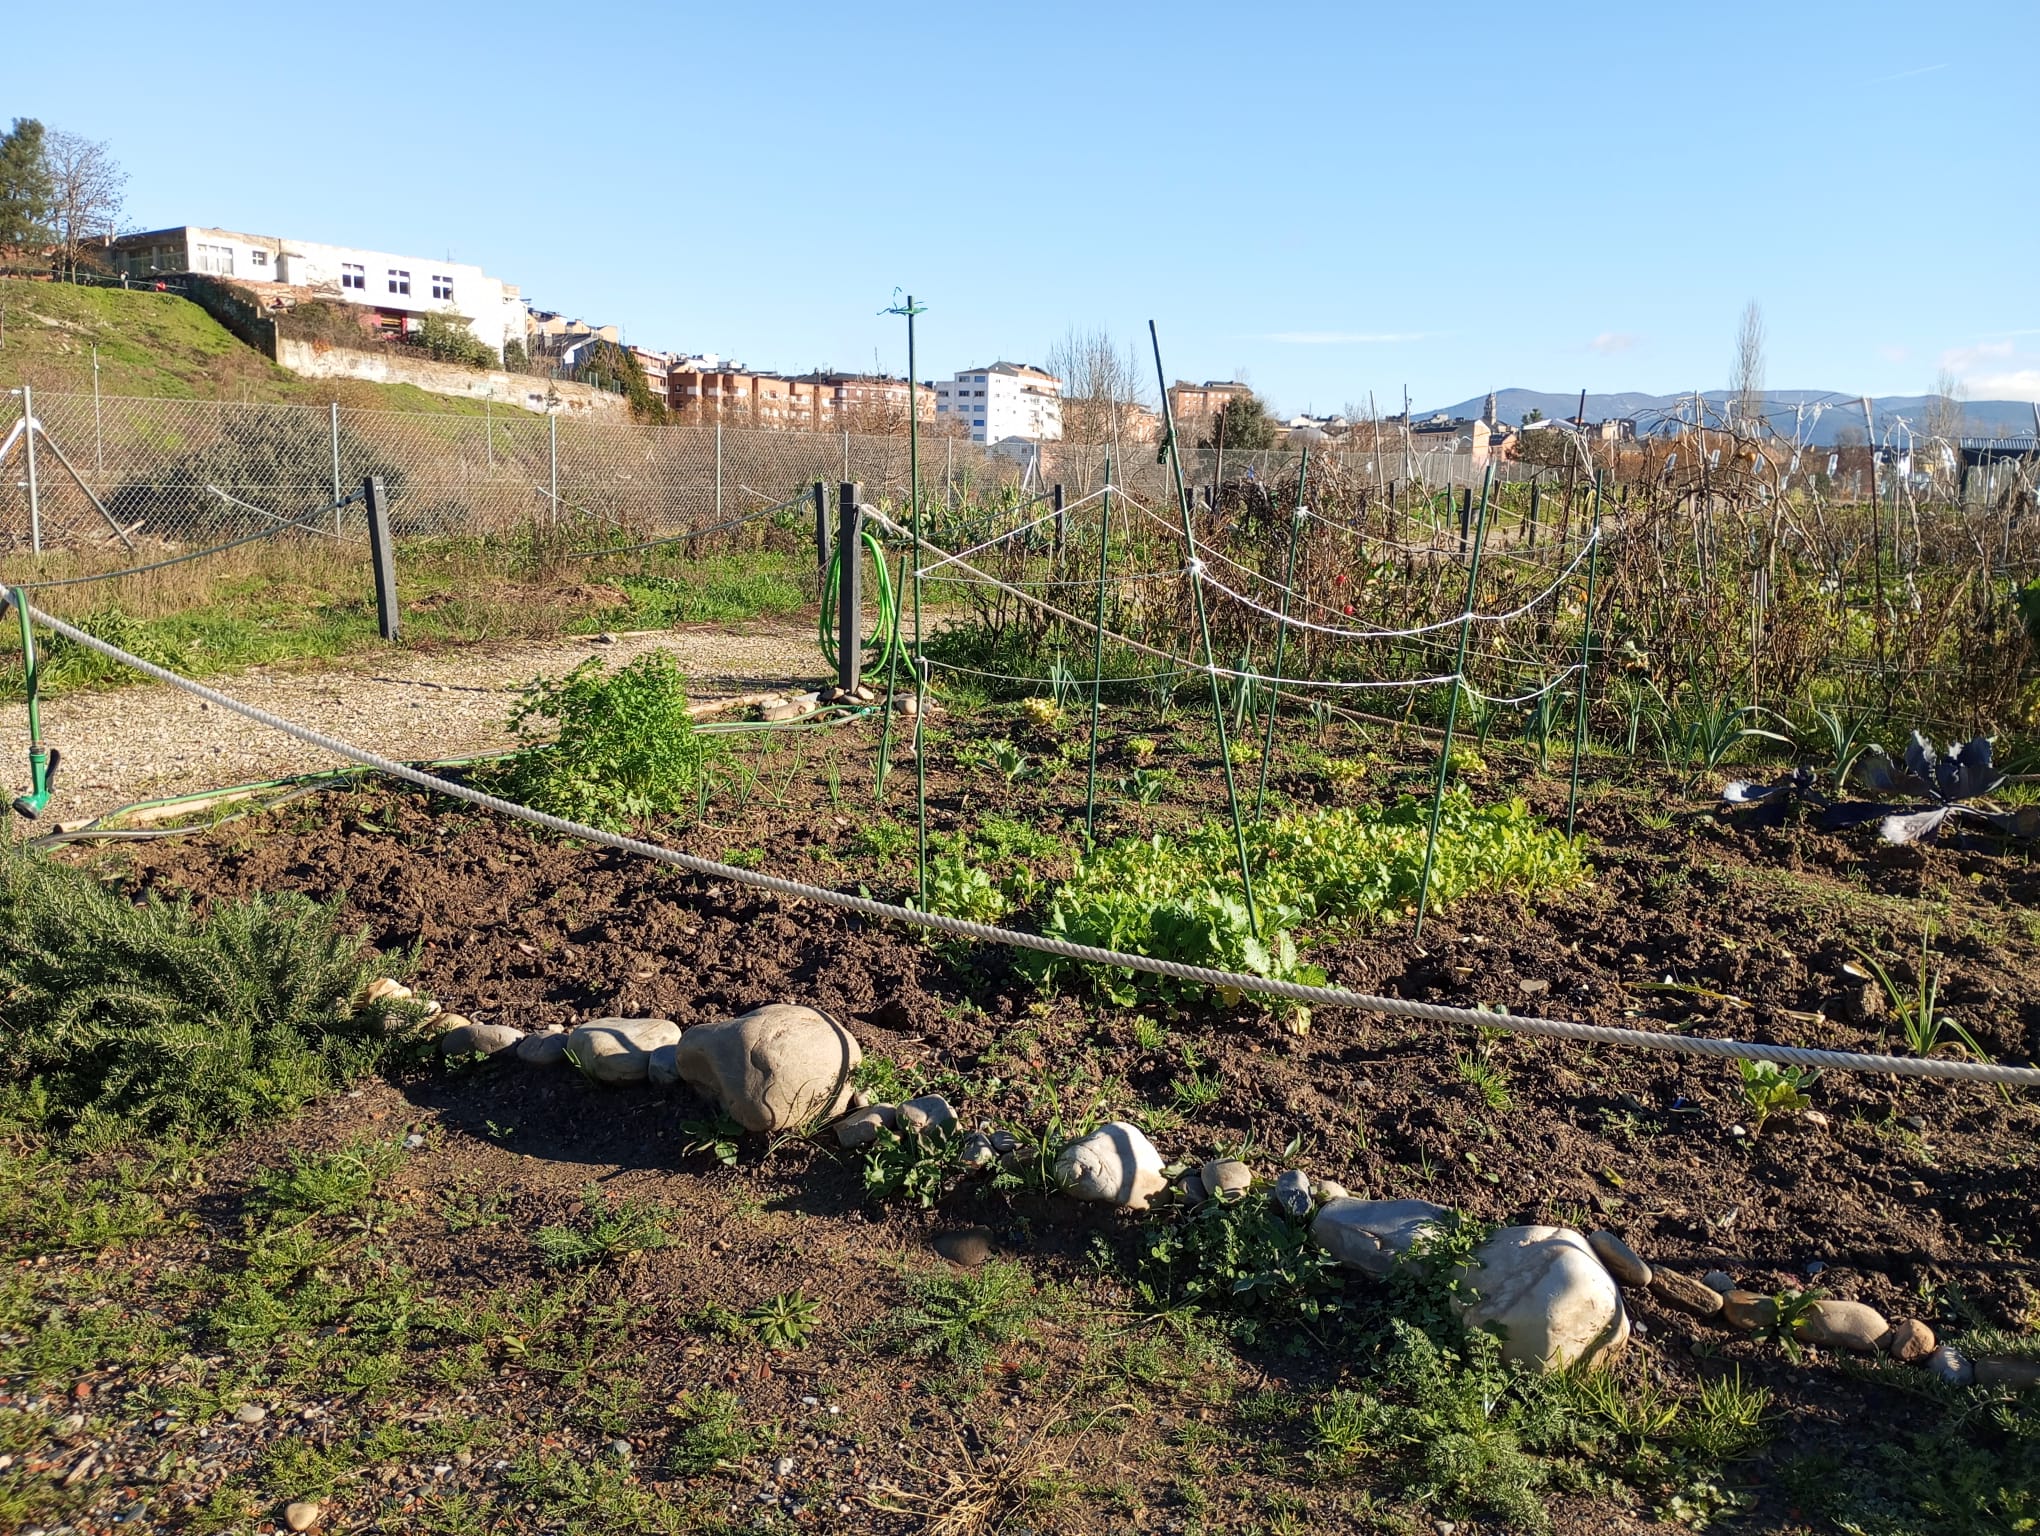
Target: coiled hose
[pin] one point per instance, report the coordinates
(878, 653)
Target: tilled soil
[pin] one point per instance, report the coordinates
(1915, 1198)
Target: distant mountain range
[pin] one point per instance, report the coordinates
(1982, 418)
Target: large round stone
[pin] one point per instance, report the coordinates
(1370, 1235)
(619, 1050)
(1545, 1295)
(1115, 1163)
(776, 1068)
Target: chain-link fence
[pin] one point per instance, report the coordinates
(152, 473)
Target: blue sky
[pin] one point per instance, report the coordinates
(1323, 201)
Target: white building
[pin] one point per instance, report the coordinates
(1001, 401)
(398, 288)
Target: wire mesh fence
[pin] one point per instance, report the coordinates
(121, 472)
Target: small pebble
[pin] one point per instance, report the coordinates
(783, 1467)
(811, 1402)
(302, 1515)
(1815, 1267)
(414, 1141)
(619, 1447)
(250, 1413)
(1718, 1280)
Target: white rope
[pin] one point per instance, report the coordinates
(1522, 698)
(1399, 634)
(1052, 512)
(1156, 651)
(1204, 976)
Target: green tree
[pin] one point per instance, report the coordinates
(25, 191)
(615, 367)
(1242, 424)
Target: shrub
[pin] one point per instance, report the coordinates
(138, 1018)
(626, 747)
(448, 339)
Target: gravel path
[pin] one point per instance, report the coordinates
(143, 742)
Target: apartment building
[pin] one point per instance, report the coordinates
(1190, 403)
(1002, 400)
(707, 390)
(399, 290)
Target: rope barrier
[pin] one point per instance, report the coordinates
(1398, 634)
(984, 933)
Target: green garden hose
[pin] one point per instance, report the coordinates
(880, 649)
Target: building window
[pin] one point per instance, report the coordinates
(216, 259)
(353, 275)
(442, 287)
(400, 282)
(258, 258)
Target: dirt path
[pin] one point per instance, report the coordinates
(143, 742)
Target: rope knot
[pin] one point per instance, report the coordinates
(1194, 569)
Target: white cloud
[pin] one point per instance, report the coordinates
(1610, 343)
(1343, 338)
(1994, 370)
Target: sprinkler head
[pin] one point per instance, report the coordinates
(42, 776)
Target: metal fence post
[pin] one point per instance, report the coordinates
(846, 454)
(849, 594)
(821, 530)
(718, 472)
(553, 458)
(336, 469)
(1061, 525)
(28, 431)
(381, 555)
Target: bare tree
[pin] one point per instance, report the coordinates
(1103, 388)
(1748, 382)
(87, 189)
(1944, 407)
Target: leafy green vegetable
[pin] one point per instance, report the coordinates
(626, 746)
(1180, 898)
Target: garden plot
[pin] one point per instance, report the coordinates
(486, 1294)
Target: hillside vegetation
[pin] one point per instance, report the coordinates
(158, 344)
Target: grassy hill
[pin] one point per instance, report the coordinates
(158, 344)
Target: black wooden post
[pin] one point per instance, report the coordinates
(1465, 518)
(849, 585)
(1060, 527)
(381, 555)
(821, 530)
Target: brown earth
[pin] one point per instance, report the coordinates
(1916, 1198)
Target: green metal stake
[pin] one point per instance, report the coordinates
(1579, 750)
(1232, 795)
(42, 760)
(1282, 635)
(911, 309)
(892, 675)
(1452, 707)
(1098, 653)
